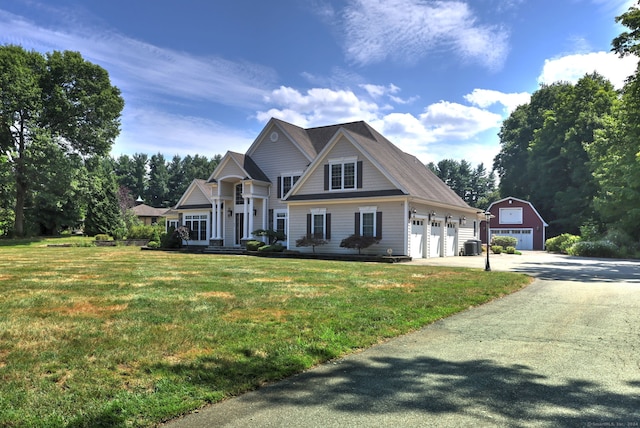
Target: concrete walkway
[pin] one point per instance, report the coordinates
(564, 351)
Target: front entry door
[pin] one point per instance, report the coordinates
(239, 228)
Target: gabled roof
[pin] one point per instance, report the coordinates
(250, 169)
(195, 184)
(521, 201)
(411, 176)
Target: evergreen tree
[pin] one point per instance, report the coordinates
(103, 211)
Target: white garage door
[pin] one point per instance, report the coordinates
(451, 240)
(417, 239)
(524, 237)
(435, 239)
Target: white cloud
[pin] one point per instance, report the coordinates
(439, 124)
(319, 106)
(458, 121)
(151, 131)
(485, 98)
(571, 68)
(407, 30)
(137, 67)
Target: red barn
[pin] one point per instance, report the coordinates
(517, 218)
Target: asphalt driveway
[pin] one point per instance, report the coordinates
(564, 351)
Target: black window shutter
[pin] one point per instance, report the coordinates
(379, 224)
(308, 224)
(359, 175)
(270, 226)
(328, 231)
(326, 177)
(357, 224)
(279, 187)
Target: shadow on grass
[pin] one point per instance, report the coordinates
(10, 242)
(431, 387)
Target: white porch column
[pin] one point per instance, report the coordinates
(217, 214)
(251, 228)
(245, 222)
(265, 213)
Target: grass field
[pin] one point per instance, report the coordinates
(115, 336)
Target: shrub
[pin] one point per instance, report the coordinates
(497, 249)
(510, 250)
(504, 241)
(254, 245)
(310, 241)
(593, 249)
(142, 232)
(102, 237)
(358, 242)
(275, 248)
(153, 244)
(590, 231)
(173, 239)
(119, 233)
(560, 244)
(273, 235)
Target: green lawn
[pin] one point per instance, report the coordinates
(116, 336)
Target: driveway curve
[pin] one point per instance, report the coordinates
(564, 351)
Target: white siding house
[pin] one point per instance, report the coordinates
(333, 182)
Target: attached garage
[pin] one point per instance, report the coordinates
(417, 239)
(435, 239)
(450, 245)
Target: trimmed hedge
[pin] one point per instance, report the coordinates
(561, 243)
(254, 245)
(275, 248)
(593, 249)
(504, 241)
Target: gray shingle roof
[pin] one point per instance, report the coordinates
(252, 169)
(414, 177)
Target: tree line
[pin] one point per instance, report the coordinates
(574, 151)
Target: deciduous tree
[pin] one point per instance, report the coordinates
(58, 96)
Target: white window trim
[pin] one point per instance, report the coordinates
(198, 217)
(505, 220)
(368, 210)
(342, 161)
(319, 212)
(291, 175)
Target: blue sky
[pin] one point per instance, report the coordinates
(435, 77)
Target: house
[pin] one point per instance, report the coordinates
(519, 219)
(330, 182)
(147, 214)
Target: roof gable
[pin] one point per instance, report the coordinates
(298, 137)
(237, 164)
(522, 201)
(196, 190)
(405, 171)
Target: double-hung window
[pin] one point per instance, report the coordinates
(343, 174)
(286, 182)
(368, 222)
(319, 224)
